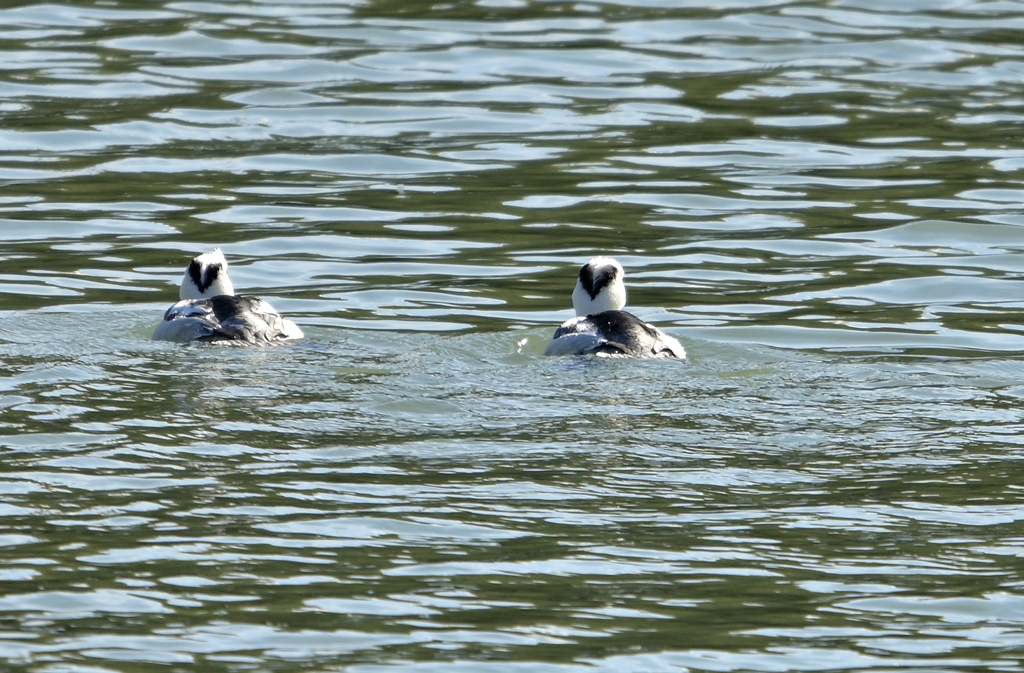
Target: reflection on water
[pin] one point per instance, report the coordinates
(819, 199)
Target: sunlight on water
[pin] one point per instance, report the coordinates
(819, 199)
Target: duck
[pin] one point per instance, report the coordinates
(601, 327)
(210, 311)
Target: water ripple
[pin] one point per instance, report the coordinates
(821, 201)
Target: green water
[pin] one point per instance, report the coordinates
(821, 200)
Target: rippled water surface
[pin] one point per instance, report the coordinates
(822, 200)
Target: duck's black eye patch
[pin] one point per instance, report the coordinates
(203, 281)
(594, 279)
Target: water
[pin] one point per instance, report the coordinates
(820, 199)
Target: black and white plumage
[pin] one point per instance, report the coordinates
(601, 327)
(210, 310)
